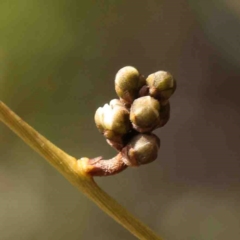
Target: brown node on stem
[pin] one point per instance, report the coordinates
(100, 167)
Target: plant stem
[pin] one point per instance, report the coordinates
(72, 169)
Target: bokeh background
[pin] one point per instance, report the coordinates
(58, 60)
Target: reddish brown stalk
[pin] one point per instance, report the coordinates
(100, 167)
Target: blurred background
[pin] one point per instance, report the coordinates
(58, 60)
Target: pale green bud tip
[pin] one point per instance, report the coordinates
(161, 85)
(128, 82)
(144, 114)
(113, 119)
(141, 149)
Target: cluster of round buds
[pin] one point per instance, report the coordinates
(127, 123)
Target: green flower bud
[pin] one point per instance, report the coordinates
(141, 149)
(145, 114)
(161, 85)
(128, 82)
(113, 120)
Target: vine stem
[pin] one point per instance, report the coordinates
(73, 171)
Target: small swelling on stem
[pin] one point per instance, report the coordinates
(127, 122)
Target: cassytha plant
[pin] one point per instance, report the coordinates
(127, 124)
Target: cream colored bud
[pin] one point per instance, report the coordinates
(112, 120)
